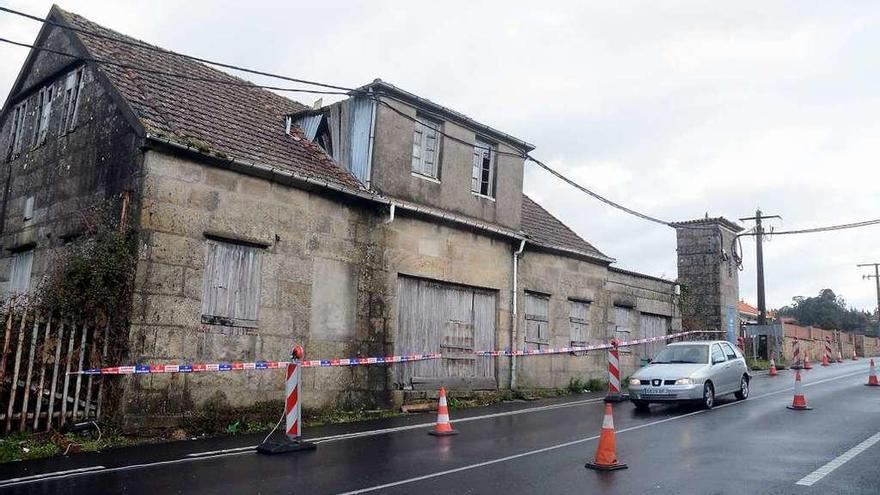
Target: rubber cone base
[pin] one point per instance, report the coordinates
(272, 447)
(602, 467)
(872, 384)
(443, 433)
(800, 408)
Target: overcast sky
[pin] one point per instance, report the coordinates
(674, 108)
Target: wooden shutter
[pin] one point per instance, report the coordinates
(231, 284)
(20, 275)
(579, 322)
(537, 318)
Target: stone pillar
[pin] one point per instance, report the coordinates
(708, 275)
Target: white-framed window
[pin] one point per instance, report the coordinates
(231, 284)
(579, 322)
(20, 273)
(41, 116)
(72, 87)
(17, 129)
(537, 318)
(426, 147)
(483, 172)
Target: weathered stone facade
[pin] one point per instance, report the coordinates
(709, 274)
(331, 252)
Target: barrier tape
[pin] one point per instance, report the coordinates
(596, 347)
(141, 369)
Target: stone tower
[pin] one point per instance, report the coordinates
(708, 274)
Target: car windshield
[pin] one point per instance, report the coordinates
(697, 354)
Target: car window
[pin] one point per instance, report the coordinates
(683, 353)
(728, 349)
(717, 354)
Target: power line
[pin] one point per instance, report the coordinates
(241, 83)
(813, 230)
(147, 46)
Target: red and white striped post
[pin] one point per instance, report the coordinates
(292, 440)
(614, 394)
(796, 355)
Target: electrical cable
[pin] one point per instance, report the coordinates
(241, 83)
(147, 46)
(273, 429)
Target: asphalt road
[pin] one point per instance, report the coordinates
(755, 446)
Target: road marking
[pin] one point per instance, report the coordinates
(825, 470)
(231, 452)
(41, 477)
(576, 442)
(383, 431)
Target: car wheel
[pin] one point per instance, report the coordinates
(708, 396)
(640, 405)
(743, 392)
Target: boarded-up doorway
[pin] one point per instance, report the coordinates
(653, 326)
(454, 320)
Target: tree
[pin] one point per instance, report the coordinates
(828, 311)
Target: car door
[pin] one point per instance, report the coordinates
(734, 368)
(720, 375)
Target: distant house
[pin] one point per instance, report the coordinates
(381, 224)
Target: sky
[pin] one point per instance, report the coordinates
(674, 108)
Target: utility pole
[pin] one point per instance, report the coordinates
(876, 277)
(759, 255)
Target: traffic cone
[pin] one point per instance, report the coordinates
(800, 402)
(606, 451)
(807, 364)
(872, 376)
(442, 428)
(855, 356)
(839, 357)
(773, 368)
(825, 360)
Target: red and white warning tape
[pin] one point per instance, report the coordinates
(596, 347)
(140, 369)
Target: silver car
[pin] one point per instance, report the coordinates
(691, 371)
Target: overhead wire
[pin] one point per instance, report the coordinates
(342, 90)
(147, 46)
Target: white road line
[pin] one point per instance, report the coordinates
(582, 440)
(369, 433)
(825, 470)
(41, 477)
(247, 450)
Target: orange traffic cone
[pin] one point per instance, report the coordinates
(825, 360)
(443, 428)
(773, 368)
(839, 357)
(855, 356)
(800, 402)
(807, 364)
(606, 451)
(872, 376)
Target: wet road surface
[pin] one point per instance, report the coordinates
(755, 446)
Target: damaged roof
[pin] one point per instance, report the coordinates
(240, 122)
(547, 231)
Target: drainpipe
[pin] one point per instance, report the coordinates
(515, 323)
(390, 214)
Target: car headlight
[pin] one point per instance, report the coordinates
(684, 381)
(635, 381)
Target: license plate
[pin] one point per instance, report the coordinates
(658, 391)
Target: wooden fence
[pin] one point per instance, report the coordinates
(37, 390)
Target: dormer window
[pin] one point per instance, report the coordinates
(483, 172)
(426, 147)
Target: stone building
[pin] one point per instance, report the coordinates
(381, 224)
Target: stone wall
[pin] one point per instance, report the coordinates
(565, 278)
(69, 173)
(709, 275)
(392, 170)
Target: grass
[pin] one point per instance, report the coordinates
(24, 446)
(764, 365)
